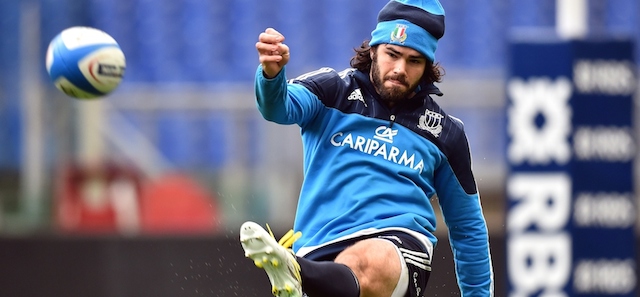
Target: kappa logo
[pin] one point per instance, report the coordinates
(357, 95)
(431, 121)
(385, 134)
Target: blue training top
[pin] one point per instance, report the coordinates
(369, 166)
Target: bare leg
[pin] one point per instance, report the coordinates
(376, 264)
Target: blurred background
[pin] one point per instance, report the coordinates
(179, 149)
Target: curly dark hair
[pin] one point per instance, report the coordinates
(362, 61)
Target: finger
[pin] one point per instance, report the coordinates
(284, 53)
(270, 38)
(272, 49)
(267, 48)
(265, 59)
(274, 32)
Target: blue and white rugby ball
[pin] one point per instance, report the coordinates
(85, 62)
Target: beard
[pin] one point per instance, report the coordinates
(394, 94)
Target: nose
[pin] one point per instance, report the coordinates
(399, 67)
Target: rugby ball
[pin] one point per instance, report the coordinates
(85, 62)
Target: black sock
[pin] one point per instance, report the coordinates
(327, 279)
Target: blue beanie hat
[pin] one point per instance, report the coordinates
(417, 24)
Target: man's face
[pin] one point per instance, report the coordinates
(396, 71)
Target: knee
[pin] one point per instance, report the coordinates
(376, 265)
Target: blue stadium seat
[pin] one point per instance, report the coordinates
(246, 24)
(300, 33)
(157, 46)
(482, 37)
(216, 147)
(622, 18)
(529, 13)
(337, 28)
(10, 119)
(174, 138)
(256, 151)
(451, 46)
(206, 35)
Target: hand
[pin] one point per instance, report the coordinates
(272, 52)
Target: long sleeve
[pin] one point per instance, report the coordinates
(281, 102)
(468, 235)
